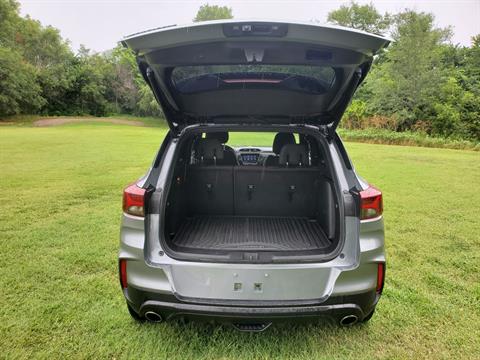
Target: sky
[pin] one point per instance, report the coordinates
(100, 24)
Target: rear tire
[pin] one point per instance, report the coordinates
(134, 315)
(368, 317)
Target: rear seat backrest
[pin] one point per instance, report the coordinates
(209, 151)
(280, 140)
(293, 155)
(253, 191)
(229, 156)
(276, 191)
(210, 186)
(210, 190)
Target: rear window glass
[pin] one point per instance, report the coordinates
(251, 138)
(316, 79)
(262, 139)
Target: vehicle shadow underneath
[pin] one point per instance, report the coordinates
(288, 340)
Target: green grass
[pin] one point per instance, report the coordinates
(383, 136)
(371, 136)
(59, 220)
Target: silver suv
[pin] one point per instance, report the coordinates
(251, 234)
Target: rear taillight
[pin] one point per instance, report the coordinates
(134, 200)
(371, 204)
(122, 265)
(380, 277)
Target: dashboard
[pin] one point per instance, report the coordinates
(251, 156)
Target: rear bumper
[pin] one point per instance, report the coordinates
(335, 307)
(299, 291)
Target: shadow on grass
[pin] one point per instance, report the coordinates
(202, 339)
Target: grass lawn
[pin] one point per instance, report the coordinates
(59, 220)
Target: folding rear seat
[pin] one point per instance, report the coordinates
(289, 190)
(210, 186)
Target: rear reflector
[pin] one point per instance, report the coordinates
(123, 273)
(380, 277)
(134, 200)
(371, 203)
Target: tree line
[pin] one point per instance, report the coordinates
(40, 74)
(422, 82)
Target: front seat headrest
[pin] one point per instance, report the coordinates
(293, 155)
(221, 136)
(209, 149)
(282, 139)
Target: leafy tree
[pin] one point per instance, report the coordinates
(91, 83)
(57, 88)
(355, 114)
(127, 90)
(124, 80)
(361, 17)
(406, 83)
(19, 91)
(420, 82)
(467, 75)
(41, 46)
(213, 12)
(471, 63)
(9, 20)
(147, 104)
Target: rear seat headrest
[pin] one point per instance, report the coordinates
(209, 149)
(293, 155)
(221, 136)
(280, 140)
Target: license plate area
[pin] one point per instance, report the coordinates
(237, 283)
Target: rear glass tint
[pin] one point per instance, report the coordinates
(316, 79)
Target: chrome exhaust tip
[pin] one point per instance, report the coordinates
(349, 320)
(153, 316)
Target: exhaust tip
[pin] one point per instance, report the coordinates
(153, 316)
(349, 320)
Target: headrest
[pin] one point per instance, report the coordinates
(209, 149)
(293, 155)
(282, 139)
(221, 136)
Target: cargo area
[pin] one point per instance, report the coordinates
(284, 204)
(251, 233)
